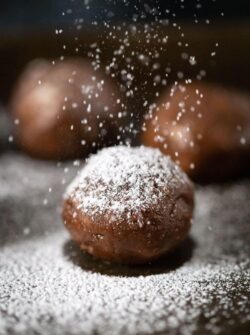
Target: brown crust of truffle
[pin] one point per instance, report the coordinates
(127, 242)
(217, 152)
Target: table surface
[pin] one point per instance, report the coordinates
(47, 286)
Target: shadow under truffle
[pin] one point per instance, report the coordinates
(166, 263)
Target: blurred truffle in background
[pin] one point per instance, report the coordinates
(65, 109)
(203, 127)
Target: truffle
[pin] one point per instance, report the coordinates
(129, 205)
(65, 110)
(203, 127)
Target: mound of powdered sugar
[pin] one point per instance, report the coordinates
(125, 179)
(47, 286)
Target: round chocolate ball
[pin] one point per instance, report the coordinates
(65, 109)
(204, 128)
(129, 205)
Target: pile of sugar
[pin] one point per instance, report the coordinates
(48, 287)
(123, 179)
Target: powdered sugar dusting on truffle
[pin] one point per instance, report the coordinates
(124, 179)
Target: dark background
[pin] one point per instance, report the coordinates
(48, 13)
(27, 31)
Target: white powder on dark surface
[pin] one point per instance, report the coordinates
(6, 130)
(124, 179)
(47, 286)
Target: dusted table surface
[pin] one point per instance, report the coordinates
(47, 286)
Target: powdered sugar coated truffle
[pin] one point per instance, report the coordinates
(129, 194)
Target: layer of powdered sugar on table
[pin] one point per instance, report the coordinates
(125, 179)
(46, 294)
(47, 286)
